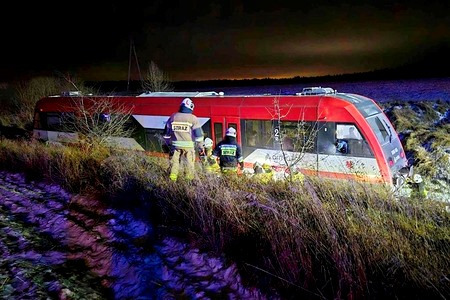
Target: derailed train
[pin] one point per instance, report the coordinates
(317, 131)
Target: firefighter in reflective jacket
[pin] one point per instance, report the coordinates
(209, 162)
(182, 133)
(262, 173)
(418, 186)
(229, 153)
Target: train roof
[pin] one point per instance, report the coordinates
(315, 96)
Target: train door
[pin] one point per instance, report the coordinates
(220, 125)
(234, 122)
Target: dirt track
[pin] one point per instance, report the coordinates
(61, 246)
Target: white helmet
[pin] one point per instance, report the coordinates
(208, 143)
(231, 132)
(417, 178)
(257, 168)
(188, 103)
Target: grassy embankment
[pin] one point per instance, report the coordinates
(316, 239)
(313, 238)
(424, 128)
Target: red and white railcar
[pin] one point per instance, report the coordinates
(318, 131)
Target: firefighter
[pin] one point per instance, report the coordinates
(297, 176)
(257, 168)
(229, 153)
(263, 173)
(418, 186)
(182, 134)
(209, 162)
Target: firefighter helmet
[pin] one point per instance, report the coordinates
(257, 168)
(417, 178)
(188, 103)
(208, 143)
(231, 132)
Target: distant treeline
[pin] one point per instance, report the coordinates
(406, 72)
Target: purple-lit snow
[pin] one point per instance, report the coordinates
(47, 237)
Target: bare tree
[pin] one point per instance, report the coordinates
(98, 121)
(71, 82)
(156, 80)
(29, 92)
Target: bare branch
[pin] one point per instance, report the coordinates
(97, 121)
(156, 80)
(29, 92)
(295, 138)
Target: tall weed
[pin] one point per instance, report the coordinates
(317, 238)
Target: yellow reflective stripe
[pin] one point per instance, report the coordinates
(182, 123)
(183, 144)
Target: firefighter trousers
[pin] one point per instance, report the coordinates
(179, 157)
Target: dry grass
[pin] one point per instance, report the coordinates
(425, 131)
(328, 237)
(318, 237)
(71, 167)
(353, 234)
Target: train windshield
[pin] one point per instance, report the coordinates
(389, 141)
(381, 128)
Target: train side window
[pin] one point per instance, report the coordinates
(250, 137)
(218, 132)
(257, 133)
(326, 138)
(154, 140)
(207, 129)
(299, 136)
(68, 122)
(347, 131)
(136, 131)
(350, 141)
(266, 135)
(53, 121)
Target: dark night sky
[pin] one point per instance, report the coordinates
(199, 40)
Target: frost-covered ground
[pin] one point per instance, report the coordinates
(430, 89)
(60, 246)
